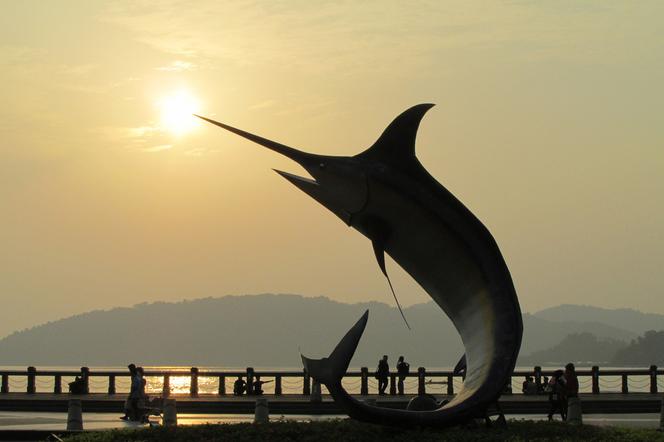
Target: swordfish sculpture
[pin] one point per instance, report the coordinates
(388, 196)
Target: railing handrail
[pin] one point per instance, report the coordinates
(292, 373)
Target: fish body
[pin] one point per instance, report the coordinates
(388, 196)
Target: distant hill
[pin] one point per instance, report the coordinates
(268, 331)
(581, 348)
(645, 350)
(633, 321)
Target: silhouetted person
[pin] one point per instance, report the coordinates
(129, 410)
(403, 368)
(258, 385)
(557, 398)
(79, 385)
(543, 385)
(239, 386)
(571, 381)
(382, 374)
(529, 386)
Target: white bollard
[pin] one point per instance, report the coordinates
(574, 413)
(661, 416)
(169, 416)
(74, 415)
(316, 396)
(262, 415)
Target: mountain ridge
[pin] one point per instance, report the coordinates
(268, 330)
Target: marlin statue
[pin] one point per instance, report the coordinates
(388, 196)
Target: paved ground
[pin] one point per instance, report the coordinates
(605, 403)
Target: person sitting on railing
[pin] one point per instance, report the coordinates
(239, 386)
(544, 385)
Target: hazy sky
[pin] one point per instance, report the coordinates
(548, 125)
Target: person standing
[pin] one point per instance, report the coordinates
(403, 368)
(131, 404)
(571, 381)
(382, 374)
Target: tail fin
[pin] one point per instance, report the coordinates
(333, 368)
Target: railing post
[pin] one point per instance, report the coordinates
(364, 381)
(250, 380)
(625, 387)
(537, 371)
(450, 384)
(57, 384)
(193, 387)
(306, 384)
(421, 387)
(277, 385)
(166, 389)
(85, 374)
(508, 387)
(222, 385)
(595, 378)
(31, 380)
(111, 384)
(393, 384)
(5, 383)
(653, 379)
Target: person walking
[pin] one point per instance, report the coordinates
(403, 368)
(557, 399)
(382, 374)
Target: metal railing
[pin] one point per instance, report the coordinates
(594, 380)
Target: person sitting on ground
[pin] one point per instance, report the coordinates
(258, 386)
(239, 386)
(382, 374)
(80, 384)
(403, 368)
(528, 386)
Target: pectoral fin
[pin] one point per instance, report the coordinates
(379, 251)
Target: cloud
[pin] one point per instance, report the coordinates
(262, 105)
(178, 66)
(158, 148)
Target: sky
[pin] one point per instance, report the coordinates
(548, 125)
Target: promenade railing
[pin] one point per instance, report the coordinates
(283, 382)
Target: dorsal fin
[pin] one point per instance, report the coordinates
(397, 143)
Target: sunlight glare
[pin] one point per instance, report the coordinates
(176, 113)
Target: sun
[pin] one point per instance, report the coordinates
(177, 111)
